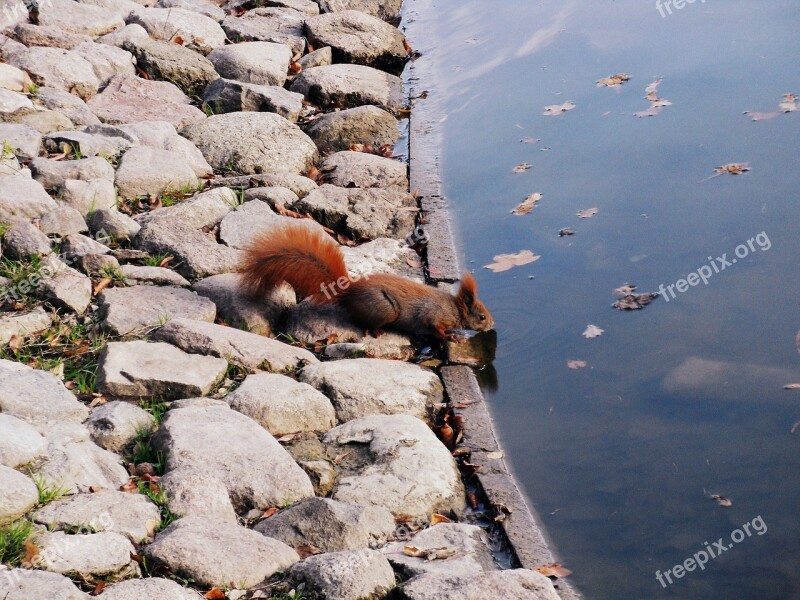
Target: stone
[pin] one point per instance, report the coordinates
(240, 226)
(249, 350)
(347, 575)
(383, 255)
(240, 310)
(204, 7)
(306, 7)
(87, 196)
(18, 494)
(69, 105)
(43, 121)
(135, 309)
(197, 31)
(62, 69)
(358, 38)
(125, 34)
(406, 469)
(107, 61)
(252, 143)
(196, 492)
(148, 589)
(53, 173)
(47, 35)
(131, 515)
(121, 8)
(196, 254)
(520, 584)
(329, 525)
(64, 287)
(23, 324)
(23, 240)
(278, 25)
(261, 63)
(149, 171)
(11, 102)
(95, 140)
(98, 264)
(22, 197)
(151, 276)
(320, 57)
(80, 467)
(139, 368)
(252, 465)
(362, 213)
(347, 86)
(227, 96)
(76, 246)
(116, 425)
(363, 170)
(162, 135)
(63, 221)
(275, 196)
(24, 140)
(12, 78)
(104, 555)
(75, 17)
(203, 210)
(128, 99)
(361, 125)
(26, 584)
(388, 10)
(168, 61)
(368, 386)
(218, 553)
(116, 225)
(20, 443)
(281, 405)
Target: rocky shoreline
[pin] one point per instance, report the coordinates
(162, 434)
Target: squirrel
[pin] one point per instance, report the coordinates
(313, 264)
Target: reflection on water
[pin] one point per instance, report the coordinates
(683, 399)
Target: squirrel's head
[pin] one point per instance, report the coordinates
(473, 313)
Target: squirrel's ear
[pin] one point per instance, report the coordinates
(468, 290)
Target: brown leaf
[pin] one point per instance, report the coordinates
(166, 261)
(624, 289)
(214, 594)
(504, 262)
(269, 512)
(15, 343)
(587, 213)
(288, 437)
(97, 400)
(733, 168)
(307, 550)
(98, 589)
(563, 232)
(407, 46)
(295, 67)
(31, 553)
(576, 364)
(634, 301)
(558, 109)
(656, 103)
(613, 81)
(592, 331)
(722, 500)
(340, 457)
(521, 168)
(178, 40)
(130, 487)
(472, 499)
(797, 341)
(555, 571)
(527, 205)
(436, 518)
(441, 552)
(101, 285)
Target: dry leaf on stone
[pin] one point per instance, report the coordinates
(558, 109)
(588, 213)
(504, 262)
(429, 553)
(527, 205)
(307, 550)
(554, 570)
(576, 364)
(592, 331)
(214, 594)
(521, 168)
(613, 81)
(436, 518)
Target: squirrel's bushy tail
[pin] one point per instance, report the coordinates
(298, 253)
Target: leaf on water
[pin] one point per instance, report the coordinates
(656, 103)
(634, 301)
(797, 341)
(504, 262)
(555, 571)
(558, 109)
(792, 386)
(527, 205)
(563, 232)
(576, 364)
(529, 140)
(787, 105)
(624, 289)
(722, 500)
(795, 427)
(613, 81)
(592, 331)
(588, 213)
(521, 168)
(733, 168)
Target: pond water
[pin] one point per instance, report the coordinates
(681, 400)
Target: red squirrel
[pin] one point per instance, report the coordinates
(312, 263)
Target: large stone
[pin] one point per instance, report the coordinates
(249, 350)
(87, 196)
(262, 63)
(363, 170)
(81, 467)
(107, 61)
(25, 584)
(219, 553)
(227, 95)
(197, 492)
(95, 140)
(128, 99)
(138, 368)
(151, 171)
(53, 173)
(162, 135)
(239, 228)
(383, 255)
(11, 102)
(104, 555)
(47, 35)
(18, 494)
(245, 142)
(63, 286)
(62, 69)
(149, 589)
(299, 184)
(276, 197)
(128, 33)
(77, 246)
(346, 86)
(138, 308)
(68, 104)
(318, 58)
(75, 17)
(23, 324)
(116, 425)
(151, 276)
(12, 78)
(24, 140)
(168, 61)
(278, 25)
(203, 210)
(63, 221)
(197, 31)
(20, 443)
(23, 240)
(361, 125)
(114, 224)
(204, 7)
(22, 197)
(348, 575)
(520, 584)
(388, 10)
(368, 386)
(43, 121)
(254, 467)
(329, 525)
(121, 8)
(403, 467)
(359, 38)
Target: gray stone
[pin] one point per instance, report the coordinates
(204, 7)
(240, 226)
(162, 135)
(363, 170)
(150, 171)
(203, 210)
(74, 17)
(320, 57)
(131, 515)
(20, 443)
(81, 467)
(388, 10)
(278, 25)
(168, 61)
(23, 324)
(226, 95)
(53, 173)
(25, 584)
(104, 555)
(76, 246)
(249, 350)
(9, 165)
(116, 225)
(329, 525)
(196, 492)
(98, 264)
(128, 33)
(12, 78)
(128, 99)
(219, 553)
(346, 86)
(23, 240)
(65, 287)
(68, 104)
(359, 38)
(307, 7)
(275, 197)
(18, 494)
(116, 425)
(107, 61)
(383, 255)
(299, 184)
(281, 405)
(347, 575)
(520, 584)
(362, 213)
(43, 121)
(135, 309)
(62, 69)
(262, 63)
(252, 465)
(197, 31)
(252, 143)
(63, 221)
(22, 197)
(196, 254)
(139, 368)
(95, 140)
(408, 472)
(149, 589)
(88, 196)
(47, 35)
(121, 8)
(151, 276)
(23, 139)
(11, 102)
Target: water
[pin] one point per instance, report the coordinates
(683, 399)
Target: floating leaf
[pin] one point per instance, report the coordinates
(563, 232)
(558, 109)
(795, 427)
(613, 81)
(792, 386)
(576, 364)
(634, 301)
(521, 168)
(527, 205)
(722, 500)
(624, 289)
(787, 105)
(656, 103)
(733, 169)
(592, 331)
(529, 140)
(588, 213)
(504, 262)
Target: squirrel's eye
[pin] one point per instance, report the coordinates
(483, 317)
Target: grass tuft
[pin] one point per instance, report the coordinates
(12, 542)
